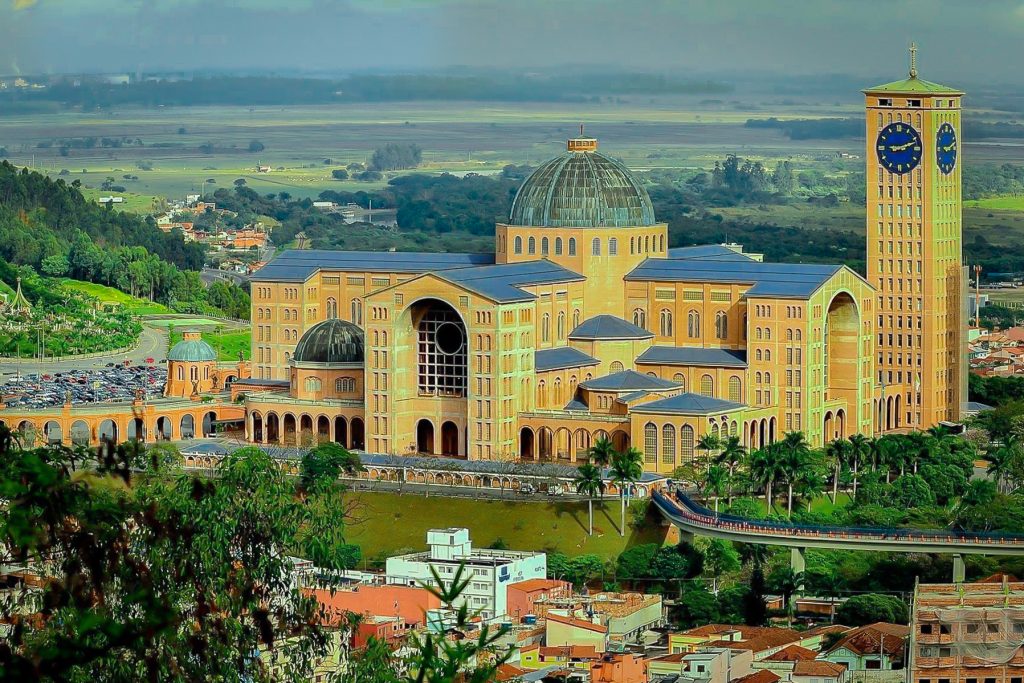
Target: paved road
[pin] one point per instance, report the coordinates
(211, 275)
(152, 344)
(428, 490)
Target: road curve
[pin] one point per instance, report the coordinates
(152, 344)
(693, 518)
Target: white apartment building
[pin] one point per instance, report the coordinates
(490, 571)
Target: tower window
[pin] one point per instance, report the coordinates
(913, 103)
(885, 102)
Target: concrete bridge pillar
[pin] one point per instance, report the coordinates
(798, 563)
(959, 569)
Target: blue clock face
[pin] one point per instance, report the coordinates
(899, 148)
(945, 148)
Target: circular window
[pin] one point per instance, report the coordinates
(449, 338)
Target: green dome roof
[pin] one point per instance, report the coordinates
(331, 341)
(579, 189)
(193, 350)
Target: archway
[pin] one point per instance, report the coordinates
(288, 429)
(581, 443)
(772, 438)
(526, 451)
(544, 439)
(136, 429)
(163, 428)
(425, 437)
(273, 428)
(187, 429)
(620, 440)
(563, 443)
(827, 432)
(889, 421)
(80, 433)
(341, 430)
(305, 430)
(208, 426)
(52, 432)
(840, 350)
(256, 430)
(323, 429)
(450, 439)
(27, 433)
(358, 434)
(442, 349)
(840, 424)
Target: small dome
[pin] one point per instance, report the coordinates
(580, 189)
(331, 341)
(192, 349)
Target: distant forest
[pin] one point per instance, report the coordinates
(835, 129)
(270, 90)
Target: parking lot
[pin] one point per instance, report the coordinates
(117, 382)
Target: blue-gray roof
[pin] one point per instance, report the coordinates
(633, 396)
(609, 327)
(713, 252)
(192, 351)
(501, 282)
(688, 404)
(562, 357)
(691, 355)
(576, 405)
(796, 280)
(628, 380)
(296, 265)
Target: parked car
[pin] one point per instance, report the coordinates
(527, 489)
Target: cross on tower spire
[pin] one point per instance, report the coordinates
(581, 130)
(913, 60)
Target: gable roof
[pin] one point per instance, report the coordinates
(690, 355)
(688, 404)
(716, 252)
(609, 327)
(576, 623)
(874, 638)
(502, 282)
(561, 357)
(628, 380)
(762, 676)
(914, 85)
(792, 653)
(297, 265)
(783, 280)
(818, 668)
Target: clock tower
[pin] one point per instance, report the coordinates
(914, 251)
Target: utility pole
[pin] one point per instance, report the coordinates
(977, 296)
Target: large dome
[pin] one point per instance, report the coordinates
(192, 349)
(579, 189)
(331, 341)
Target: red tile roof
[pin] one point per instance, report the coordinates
(570, 651)
(818, 668)
(875, 638)
(537, 584)
(792, 653)
(577, 623)
(508, 672)
(762, 676)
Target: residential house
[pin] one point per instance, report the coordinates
(875, 647)
(563, 630)
(523, 595)
(619, 668)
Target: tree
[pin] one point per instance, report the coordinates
(601, 452)
(708, 443)
(1003, 460)
(256, 146)
(786, 582)
(766, 466)
(838, 453)
(911, 491)
(394, 156)
(625, 470)
(339, 174)
(695, 608)
(869, 608)
(55, 266)
(716, 483)
(860, 448)
(732, 456)
(720, 557)
(755, 609)
(589, 483)
(167, 577)
(795, 454)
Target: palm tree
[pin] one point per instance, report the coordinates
(625, 469)
(1001, 460)
(860, 447)
(716, 482)
(589, 483)
(838, 454)
(707, 443)
(601, 452)
(788, 583)
(733, 453)
(795, 456)
(765, 468)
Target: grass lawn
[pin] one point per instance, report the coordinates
(109, 295)
(226, 344)
(135, 203)
(387, 522)
(1005, 203)
(184, 321)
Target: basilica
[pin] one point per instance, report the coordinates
(584, 323)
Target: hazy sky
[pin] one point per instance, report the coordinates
(975, 40)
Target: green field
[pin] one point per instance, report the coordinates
(109, 295)
(1006, 203)
(226, 344)
(184, 321)
(384, 523)
(136, 203)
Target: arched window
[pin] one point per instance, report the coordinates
(561, 325)
(558, 392)
(287, 314)
(757, 354)
(734, 428)
(558, 246)
(544, 246)
(572, 246)
(686, 444)
(181, 373)
(518, 244)
(707, 386)
(757, 332)
(693, 325)
(789, 334)
(798, 334)
(575, 319)
(668, 445)
(735, 389)
(767, 333)
(767, 378)
(616, 366)
(661, 241)
(767, 354)
(666, 322)
(613, 246)
(647, 244)
(721, 325)
(357, 311)
(545, 328)
(193, 373)
(332, 307)
(632, 245)
(313, 384)
(681, 379)
(640, 318)
(595, 246)
(713, 430)
(531, 246)
(542, 394)
(650, 443)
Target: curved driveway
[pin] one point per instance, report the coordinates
(152, 344)
(694, 518)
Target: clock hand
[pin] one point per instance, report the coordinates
(900, 148)
(948, 148)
